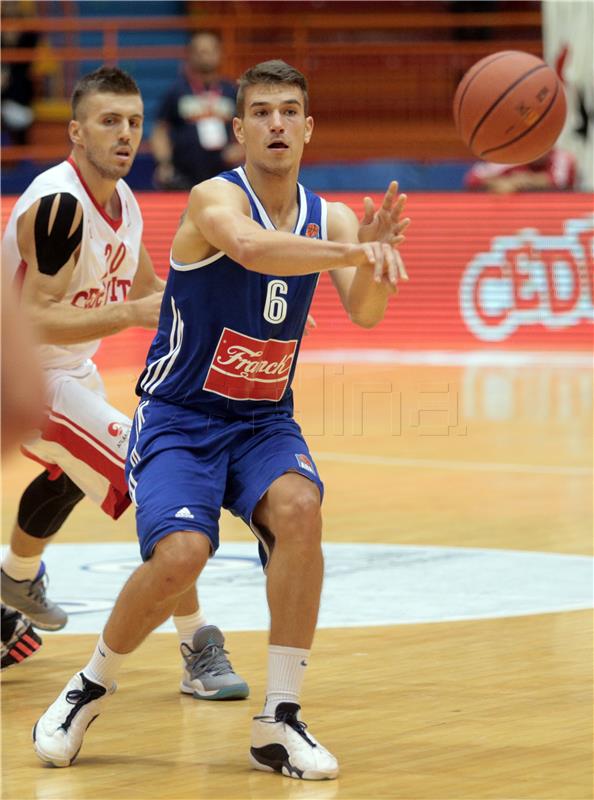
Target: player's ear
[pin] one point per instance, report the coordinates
(74, 133)
(309, 125)
(238, 129)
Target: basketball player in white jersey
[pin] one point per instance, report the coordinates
(74, 243)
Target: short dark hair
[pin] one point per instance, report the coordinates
(272, 73)
(104, 79)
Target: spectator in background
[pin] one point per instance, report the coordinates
(17, 82)
(555, 171)
(193, 137)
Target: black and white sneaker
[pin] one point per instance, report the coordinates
(58, 733)
(281, 744)
(19, 640)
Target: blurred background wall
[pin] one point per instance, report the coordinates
(491, 271)
(382, 74)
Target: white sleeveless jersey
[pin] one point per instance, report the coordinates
(108, 257)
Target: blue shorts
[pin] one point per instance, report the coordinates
(183, 466)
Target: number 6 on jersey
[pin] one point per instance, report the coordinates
(275, 307)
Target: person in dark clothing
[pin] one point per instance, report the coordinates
(18, 87)
(192, 139)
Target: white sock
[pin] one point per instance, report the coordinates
(187, 626)
(21, 568)
(286, 670)
(104, 664)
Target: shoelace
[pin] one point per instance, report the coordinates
(79, 698)
(38, 589)
(289, 718)
(212, 659)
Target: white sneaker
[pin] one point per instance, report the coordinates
(281, 744)
(58, 733)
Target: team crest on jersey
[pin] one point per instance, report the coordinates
(244, 368)
(305, 462)
(312, 231)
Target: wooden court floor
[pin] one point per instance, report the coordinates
(453, 456)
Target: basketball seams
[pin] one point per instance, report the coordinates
(521, 135)
(494, 105)
(496, 57)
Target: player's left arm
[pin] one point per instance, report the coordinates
(363, 297)
(146, 280)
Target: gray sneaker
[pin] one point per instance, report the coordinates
(208, 674)
(29, 597)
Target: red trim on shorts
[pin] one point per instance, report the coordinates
(115, 502)
(98, 443)
(54, 470)
(113, 223)
(80, 448)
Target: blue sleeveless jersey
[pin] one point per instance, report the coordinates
(228, 337)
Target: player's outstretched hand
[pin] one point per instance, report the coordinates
(388, 266)
(385, 223)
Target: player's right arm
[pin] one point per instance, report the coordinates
(218, 219)
(49, 235)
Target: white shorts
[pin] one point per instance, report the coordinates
(84, 437)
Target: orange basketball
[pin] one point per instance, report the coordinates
(510, 108)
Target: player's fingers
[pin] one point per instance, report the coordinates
(378, 269)
(369, 253)
(399, 206)
(402, 273)
(397, 240)
(391, 266)
(389, 196)
(401, 226)
(369, 211)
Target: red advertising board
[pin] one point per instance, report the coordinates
(486, 271)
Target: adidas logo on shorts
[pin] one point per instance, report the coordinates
(184, 513)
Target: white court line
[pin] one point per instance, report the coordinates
(450, 358)
(457, 466)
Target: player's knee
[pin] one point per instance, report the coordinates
(179, 558)
(299, 517)
(45, 505)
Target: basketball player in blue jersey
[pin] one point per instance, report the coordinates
(214, 427)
